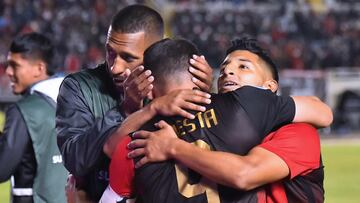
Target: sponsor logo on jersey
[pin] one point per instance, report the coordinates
(57, 159)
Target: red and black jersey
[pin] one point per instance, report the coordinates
(299, 146)
(234, 122)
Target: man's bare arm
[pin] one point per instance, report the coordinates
(175, 103)
(257, 168)
(312, 110)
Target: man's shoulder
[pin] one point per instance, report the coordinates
(247, 89)
(243, 91)
(252, 99)
(232, 97)
(31, 98)
(35, 107)
(89, 74)
(25, 98)
(302, 129)
(97, 78)
(298, 133)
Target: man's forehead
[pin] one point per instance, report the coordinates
(119, 38)
(130, 43)
(243, 55)
(15, 56)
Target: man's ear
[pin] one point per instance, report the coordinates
(271, 85)
(40, 69)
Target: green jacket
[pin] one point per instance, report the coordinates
(50, 179)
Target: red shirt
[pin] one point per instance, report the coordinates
(299, 146)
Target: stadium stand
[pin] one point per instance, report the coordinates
(301, 35)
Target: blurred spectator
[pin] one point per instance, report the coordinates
(29, 155)
(76, 27)
(300, 38)
(296, 35)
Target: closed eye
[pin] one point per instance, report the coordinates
(128, 58)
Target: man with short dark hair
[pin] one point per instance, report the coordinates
(234, 122)
(28, 150)
(93, 103)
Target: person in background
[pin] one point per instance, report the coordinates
(28, 149)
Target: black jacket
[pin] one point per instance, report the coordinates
(81, 136)
(17, 155)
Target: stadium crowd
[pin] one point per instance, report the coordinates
(76, 27)
(297, 37)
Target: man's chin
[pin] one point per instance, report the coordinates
(15, 90)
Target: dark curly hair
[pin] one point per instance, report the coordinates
(35, 46)
(252, 45)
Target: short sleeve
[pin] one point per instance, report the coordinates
(267, 111)
(298, 145)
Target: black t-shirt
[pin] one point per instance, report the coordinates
(234, 122)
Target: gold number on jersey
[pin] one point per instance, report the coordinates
(190, 190)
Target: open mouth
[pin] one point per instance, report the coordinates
(229, 83)
(228, 86)
(12, 83)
